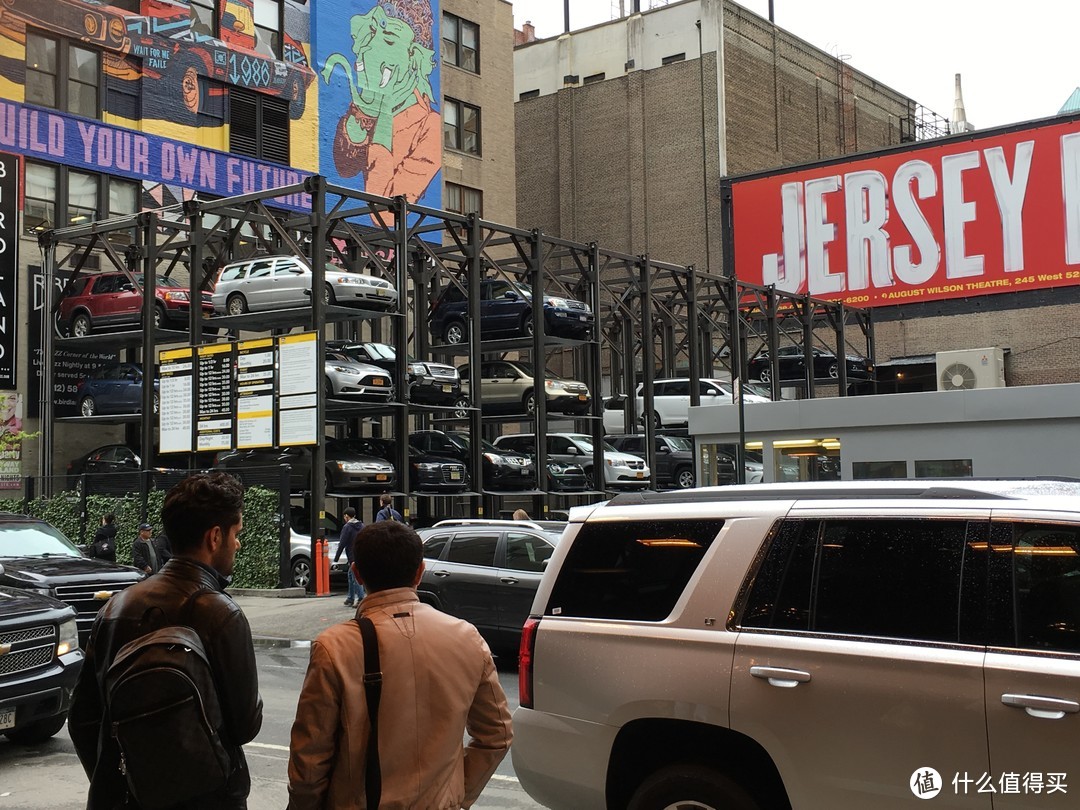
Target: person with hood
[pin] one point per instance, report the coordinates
(104, 545)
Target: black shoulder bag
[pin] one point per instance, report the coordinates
(372, 692)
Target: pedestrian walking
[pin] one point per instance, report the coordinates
(346, 544)
(438, 681)
(203, 517)
(104, 545)
(388, 512)
(148, 553)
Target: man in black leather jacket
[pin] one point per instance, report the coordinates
(202, 516)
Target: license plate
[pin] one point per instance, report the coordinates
(7, 718)
(377, 381)
(381, 477)
(455, 475)
(447, 389)
(640, 474)
(584, 317)
(381, 291)
(206, 313)
(582, 397)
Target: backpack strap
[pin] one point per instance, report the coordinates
(372, 692)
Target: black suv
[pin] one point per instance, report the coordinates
(38, 557)
(674, 458)
(40, 661)
(506, 311)
(428, 382)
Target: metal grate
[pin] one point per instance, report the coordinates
(24, 660)
(27, 634)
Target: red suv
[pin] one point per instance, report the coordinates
(113, 299)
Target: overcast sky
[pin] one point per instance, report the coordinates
(1018, 60)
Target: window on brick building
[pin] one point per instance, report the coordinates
(461, 126)
(675, 57)
(63, 75)
(596, 77)
(204, 18)
(463, 200)
(57, 196)
(258, 125)
(528, 94)
(268, 27)
(460, 43)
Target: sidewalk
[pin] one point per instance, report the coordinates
(299, 619)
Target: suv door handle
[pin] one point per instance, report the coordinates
(780, 676)
(440, 573)
(509, 580)
(1047, 708)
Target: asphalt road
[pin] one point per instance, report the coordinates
(49, 777)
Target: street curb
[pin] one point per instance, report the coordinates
(272, 593)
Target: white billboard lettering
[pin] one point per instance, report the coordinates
(957, 213)
(788, 272)
(867, 206)
(1070, 182)
(819, 233)
(917, 176)
(1009, 194)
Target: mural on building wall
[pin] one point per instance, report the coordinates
(168, 44)
(381, 129)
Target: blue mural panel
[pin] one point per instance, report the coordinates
(380, 129)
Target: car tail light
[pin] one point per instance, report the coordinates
(526, 653)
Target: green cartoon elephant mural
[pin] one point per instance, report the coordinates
(391, 132)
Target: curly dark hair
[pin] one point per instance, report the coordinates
(197, 504)
(387, 555)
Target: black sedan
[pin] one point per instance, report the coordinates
(347, 468)
(792, 364)
(502, 470)
(427, 473)
(487, 573)
(426, 382)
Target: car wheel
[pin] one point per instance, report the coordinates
(527, 325)
(461, 408)
(236, 304)
(328, 483)
(658, 423)
(528, 402)
(690, 786)
(301, 572)
(590, 482)
(81, 325)
(684, 478)
(834, 371)
(159, 316)
(328, 389)
(328, 296)
(87, 407)
(455, 333)
(765, 375)
(39, 731)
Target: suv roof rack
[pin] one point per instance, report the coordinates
(995, 489)
(529, 524)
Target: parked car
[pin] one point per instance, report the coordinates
(347, 468)
(501, 470)
(38, 557)
(510, 385)
(939, 618)
(506, 311)
(300, 546)
(279, 282)
(674, 459)
(113, 388)
(427, 472)
(792, 363)
(621, 470)
(486, 572)
(671, 398)
(99, 300)
(428, 382)
(110, 458)
(346, 377)
(41, 659)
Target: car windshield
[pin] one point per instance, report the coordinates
(758, 389)
(679, 443)
(378, 351)
(28, 539)
(162, 281)
(524, 289)
(585, 444)
(527, 370)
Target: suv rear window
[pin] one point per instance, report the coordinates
(634, 570)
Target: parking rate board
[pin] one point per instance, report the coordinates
(174, 410)
(255, 394)
(214, 407)
(298, 389)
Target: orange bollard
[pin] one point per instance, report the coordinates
(326, 567)
(317, 567)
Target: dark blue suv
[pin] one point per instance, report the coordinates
(506, 311)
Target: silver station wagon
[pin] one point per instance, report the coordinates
(281, 282)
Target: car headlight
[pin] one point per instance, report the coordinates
(615, 462)
(418, 368)
(351, 466)
(345, 280)
(69, 637)
(494, 458)
(343, 370)
(555, 385)
(176, 296)
(428, 466)
(558, 303)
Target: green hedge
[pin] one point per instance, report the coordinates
(256, 562)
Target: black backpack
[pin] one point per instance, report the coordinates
(165, 717)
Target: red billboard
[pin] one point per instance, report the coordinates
(990, 213)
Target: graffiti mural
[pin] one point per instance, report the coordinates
(168, 43)
(381, 131)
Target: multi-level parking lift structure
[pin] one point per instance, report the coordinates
(652, 317)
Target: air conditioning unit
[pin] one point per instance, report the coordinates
(970, 368)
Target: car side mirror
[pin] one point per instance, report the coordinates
(663, 449)
(572, 451)
(1, 569)
(510, 294)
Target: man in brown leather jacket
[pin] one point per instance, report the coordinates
(438, 682)
(203, 517)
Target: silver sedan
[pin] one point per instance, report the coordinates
(348, 378)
